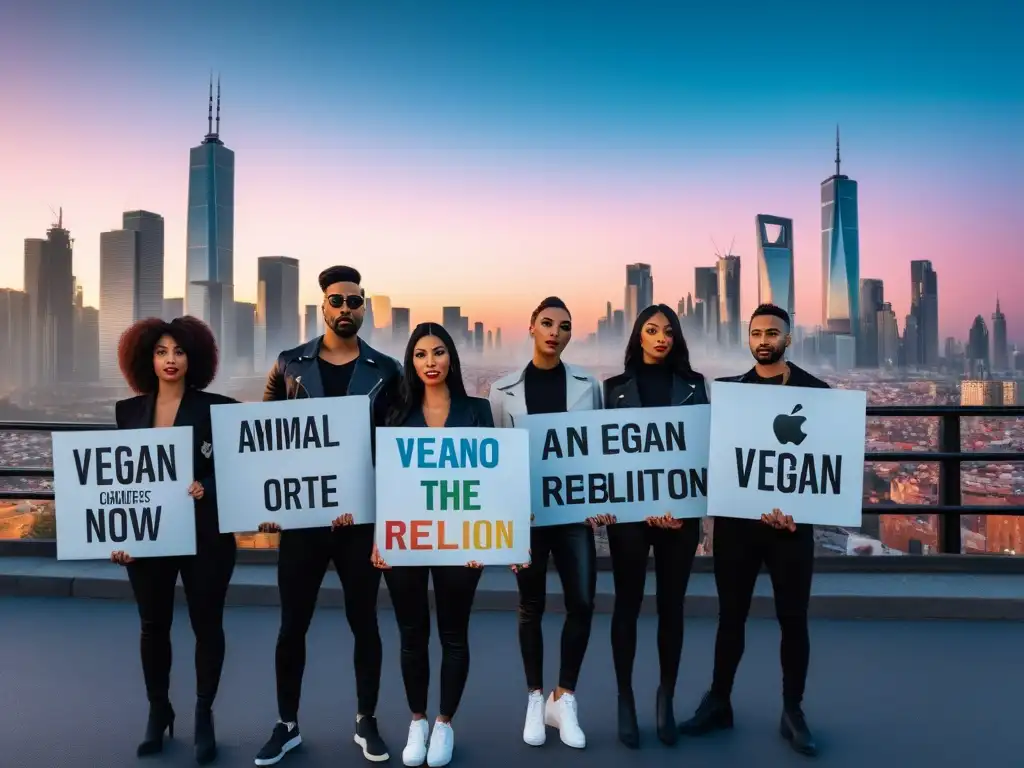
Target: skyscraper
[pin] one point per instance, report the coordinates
(729, 299)
(119, 294)
(1000, 350)
(705, 290)
(49, 283)
(209, 265)
(245, 340)
(14, 338)
(277, 303)
(173, 308)
(400, 326)
(639, 290)
(872, 297)
(924, 306)
(775, 262)
(977, 347)
(888, 336)
(382, 312)
(311, 324)
(150, 227)
(840, 252)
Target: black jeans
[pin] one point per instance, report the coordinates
(205, 577)
(572, 547)
(630, 544)
(303, 557)
(740, 547)
(454, 590)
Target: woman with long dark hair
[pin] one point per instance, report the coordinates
(657, 374)
(432, 394)
(169, 365)
(548, 385)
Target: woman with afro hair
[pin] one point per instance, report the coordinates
(169, 365)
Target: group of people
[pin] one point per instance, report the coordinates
(171, 363)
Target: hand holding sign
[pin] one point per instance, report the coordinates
(474, 564)
(196, 490)
(121, 557)
(377, 560)
(779, 521)
(522, 566)
(341, 521)
(666, 521)
(599, 521)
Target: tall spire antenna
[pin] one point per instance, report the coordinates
(209, 109)
(837, 149)
(218, 106)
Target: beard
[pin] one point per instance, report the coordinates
(343, 329)
(774, 354)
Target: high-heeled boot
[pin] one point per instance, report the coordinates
(206, 738)
(161, 718)
(629, 731)
(668, 730)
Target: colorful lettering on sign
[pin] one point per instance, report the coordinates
(443, 534)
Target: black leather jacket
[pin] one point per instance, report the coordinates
(622, 391)
(296, 374)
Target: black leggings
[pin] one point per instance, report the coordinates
(674, 550)
(572, 547)
(303, 557)
(454, 589)
(740, 547)
(205, 577)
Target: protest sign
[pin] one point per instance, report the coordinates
(298, 463)
(630, 462)
(124, 489)
(448, 496)
(796, 449)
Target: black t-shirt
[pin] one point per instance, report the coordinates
(755, 379)
(654, 382)
(545, 389)
(335, 378)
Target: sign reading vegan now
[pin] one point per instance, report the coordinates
(124, 489)
(629, 462)
(448, 496)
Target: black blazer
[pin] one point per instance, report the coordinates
(622, 391)
(798, 377)
(194, 411)
(296, 374)
(463, 412)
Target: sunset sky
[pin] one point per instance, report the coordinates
(490, 154)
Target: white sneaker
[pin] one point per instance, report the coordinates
(442, 743)
(534, 732)
(561, 714)
(415, 751)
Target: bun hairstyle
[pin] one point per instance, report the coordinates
(551, 302)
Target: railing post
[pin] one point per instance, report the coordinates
(950, 493)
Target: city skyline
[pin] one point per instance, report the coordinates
(462, 211)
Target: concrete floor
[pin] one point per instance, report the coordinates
(881, 693)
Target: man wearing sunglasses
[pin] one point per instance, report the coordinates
(333, 365)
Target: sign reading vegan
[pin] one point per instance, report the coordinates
(448, 496)
(790, 448)
(629, 462)
(298, 463)
(124, 490)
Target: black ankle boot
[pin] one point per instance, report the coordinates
(668, 730)
(714, 713)
(206, 739)
(629, 731)
(161, 718)
(794, 729)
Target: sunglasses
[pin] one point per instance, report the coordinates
(336, 300)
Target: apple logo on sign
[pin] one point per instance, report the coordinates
(788, 427)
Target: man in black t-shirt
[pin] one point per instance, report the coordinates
(333, 365)
(785, 548)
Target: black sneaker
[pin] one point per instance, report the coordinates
(282, 740)
(368, 737)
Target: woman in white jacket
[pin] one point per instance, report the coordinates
(547, 385)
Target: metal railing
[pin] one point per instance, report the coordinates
(950, 457)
